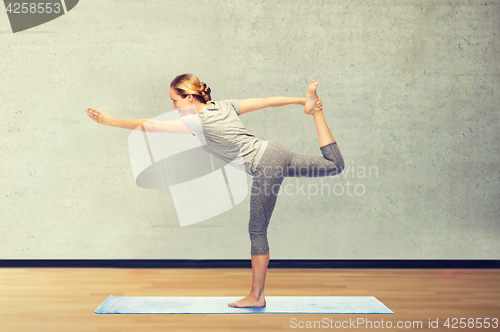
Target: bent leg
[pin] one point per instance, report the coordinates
(306, 165)
(325, 136)
(314, 107)
(332, 163)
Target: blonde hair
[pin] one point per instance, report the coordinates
(189, 84)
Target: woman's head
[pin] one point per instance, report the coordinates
(188, 84)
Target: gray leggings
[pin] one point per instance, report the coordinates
(276, 163)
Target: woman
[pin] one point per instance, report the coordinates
(267, 161)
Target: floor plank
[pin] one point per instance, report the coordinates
(65, 299)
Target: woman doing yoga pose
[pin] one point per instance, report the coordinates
(268, 162)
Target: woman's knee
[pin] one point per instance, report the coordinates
(259, 245)
(259, 252)
(339, 162)
(332, 153)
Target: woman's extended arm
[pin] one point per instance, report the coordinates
(152, 126)
(253, 104)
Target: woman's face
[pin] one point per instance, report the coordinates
(178, 101)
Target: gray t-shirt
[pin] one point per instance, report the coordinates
(220, 127)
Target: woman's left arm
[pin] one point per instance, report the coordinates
(253, 104)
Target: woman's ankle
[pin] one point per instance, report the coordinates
(257, 293)
(317, 112)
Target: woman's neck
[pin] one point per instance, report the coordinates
(200, 106)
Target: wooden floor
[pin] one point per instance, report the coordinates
(65, 299)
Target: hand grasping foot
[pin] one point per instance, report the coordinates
(312, 100)
(319, 104)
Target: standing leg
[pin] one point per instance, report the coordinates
(256, 298)
(265, 188)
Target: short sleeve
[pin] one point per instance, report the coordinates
(236, 105)
(192, 121)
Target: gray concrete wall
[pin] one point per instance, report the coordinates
(410, 88)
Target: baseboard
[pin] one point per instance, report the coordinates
(246, 263)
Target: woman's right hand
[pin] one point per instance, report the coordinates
(101, 117)
(319, 104)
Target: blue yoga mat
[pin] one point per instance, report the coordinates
(218, 305)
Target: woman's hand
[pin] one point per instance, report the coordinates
(101, 117)
(319, 104)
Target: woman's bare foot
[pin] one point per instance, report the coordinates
(312, 100)
(249, 301)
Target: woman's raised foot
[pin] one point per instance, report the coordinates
(312, 100)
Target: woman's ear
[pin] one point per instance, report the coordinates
(190, 98)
